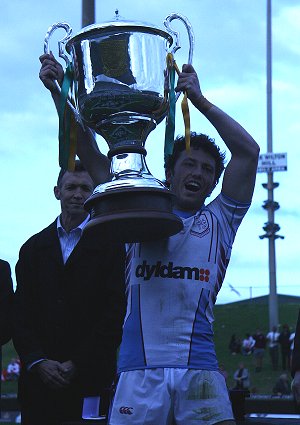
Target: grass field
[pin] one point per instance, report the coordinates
(238, 318)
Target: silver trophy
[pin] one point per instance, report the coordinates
(121, 91)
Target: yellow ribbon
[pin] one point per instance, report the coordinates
(186, 114)
(187, 121)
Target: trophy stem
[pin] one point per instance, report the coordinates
(126, 132)
(128, 165)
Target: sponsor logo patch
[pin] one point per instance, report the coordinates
(124, 410)
(171, 271)
(200, 226)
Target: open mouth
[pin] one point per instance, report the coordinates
(192, 186)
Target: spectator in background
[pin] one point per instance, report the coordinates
(295, 363)
(241, 378)
(284, 341)
(272, 338)
(259, 349)
(282, 385)
(6, 298)
(234, 345)
(69, 309)
(13, 370)
(247, 345)
(223, 371)
(292, 341)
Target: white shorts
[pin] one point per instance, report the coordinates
(165, 396)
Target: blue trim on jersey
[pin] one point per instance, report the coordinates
(202, 336)
(133, 352)
(183, 214)
(234, 201)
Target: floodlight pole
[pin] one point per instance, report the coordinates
(88, 13)
(273, 299)
(271, 228)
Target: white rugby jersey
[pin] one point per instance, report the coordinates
(172, 285)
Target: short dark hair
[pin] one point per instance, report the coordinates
(198, 141)
(79, 168)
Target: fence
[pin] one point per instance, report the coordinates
(243, 405)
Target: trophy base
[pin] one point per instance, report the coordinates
(133, 215)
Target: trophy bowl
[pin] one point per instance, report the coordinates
(121, 91)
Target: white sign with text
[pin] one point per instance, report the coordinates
(270, 162)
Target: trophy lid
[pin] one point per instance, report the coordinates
(122, 25)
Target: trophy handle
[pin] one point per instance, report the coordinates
(62, 43)
(175, 34)
(62, 54)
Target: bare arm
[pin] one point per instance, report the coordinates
(240, 173)
(95, 162)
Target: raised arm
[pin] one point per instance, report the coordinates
(240, 172)
(95, 162)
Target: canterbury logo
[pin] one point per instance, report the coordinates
(147, 271)
(126, 410)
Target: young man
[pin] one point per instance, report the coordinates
(168, 370)
(68, 311)
(167, 349)
(272, 338)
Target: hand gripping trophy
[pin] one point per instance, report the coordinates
(122, 91)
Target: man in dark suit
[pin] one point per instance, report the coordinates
(6, 296)
(68, 311)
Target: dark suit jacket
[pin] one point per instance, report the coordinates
(296, 351)
(71, 311)
(6, 296)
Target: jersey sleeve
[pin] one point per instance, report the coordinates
(229, 214)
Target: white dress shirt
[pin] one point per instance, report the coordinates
(68, 241)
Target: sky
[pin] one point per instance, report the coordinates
(230, 59)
